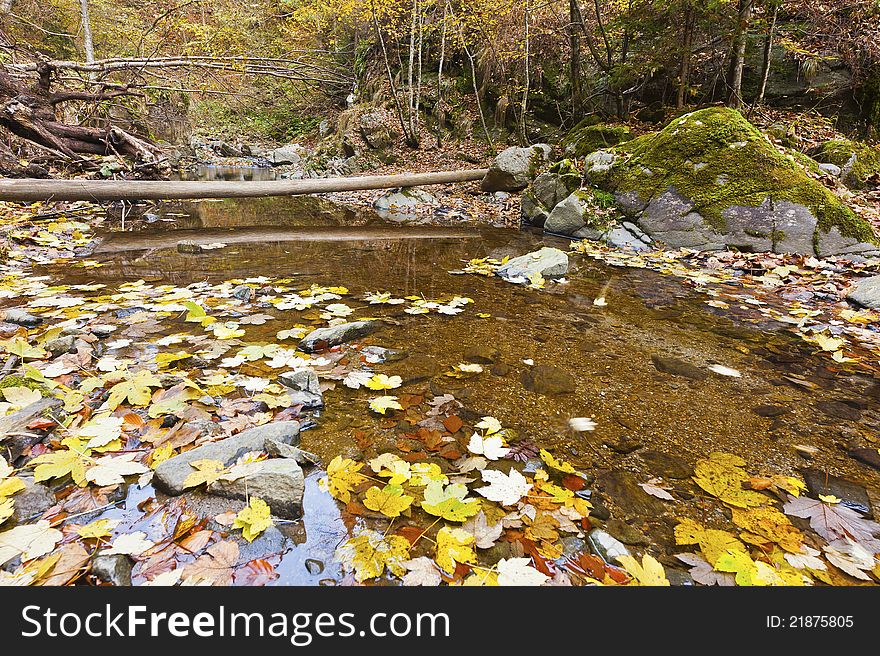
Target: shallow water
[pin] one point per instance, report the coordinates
(607, 349)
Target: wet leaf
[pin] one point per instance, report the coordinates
(254, 519)
(649, 572)
(370, 553)
(454, 545)
(449, 502)
(342, 477)
(389, 500)
(519, 572)
(505, 489)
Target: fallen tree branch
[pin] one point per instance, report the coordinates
(29, 189)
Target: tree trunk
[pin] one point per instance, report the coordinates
(684, 70)
(523, 133)
(98, 190)
(88, 46)
(441, 117)
(738, 54)
(768, 51)
(574, 43)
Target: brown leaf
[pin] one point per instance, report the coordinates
(215, 566)
(69, 566)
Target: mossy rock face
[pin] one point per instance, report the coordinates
(710, 179)
(858, 162)
(587, 137)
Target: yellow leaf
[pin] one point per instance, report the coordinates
(161, 454)
(454, 545)
(390, 500)
(650, 572)
(383, 403)
(559, 465)
(71, 461)
(449, 502)
(342, 477)
(370, 553)
(21, 396)
(254, 519)
(207, 471)
(100, 528)
(712, 542)
(381, 381)
(770, 526)
(721, 476)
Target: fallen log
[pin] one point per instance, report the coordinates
(31, 189)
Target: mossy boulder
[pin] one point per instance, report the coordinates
(711, 180)
(859, 163)
(548, 189)
(587, 137)
(514, 168)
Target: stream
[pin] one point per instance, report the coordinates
(650, 423)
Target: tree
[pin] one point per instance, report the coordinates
(738, 54)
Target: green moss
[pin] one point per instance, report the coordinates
(856, 170)
(717, 159)
(20, 381)
(587, 137)
(600, 212)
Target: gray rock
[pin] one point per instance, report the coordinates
(607, 547)
(866, 292)
(404, 200)
(114, 569)
(304, 387)
(549, 262)
(278, 481)
(548, 380)
(851, 494)
(32, 501)
(61, 345)
(324, 338)
(171, 473)
(20, 317)
(622, 489)
(374, 131)
(834, 243)
(831, 169)
(599, 162)
(271, 541)
(243, 293)
(189, 247)
(282, 450)
(514, 168)
(288, 154)
(623, 238)
(666, 465)
(532, 211)
(569, 216)
(671, 219)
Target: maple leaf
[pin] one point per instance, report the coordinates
(834, 521)
(197, 314)
(381, 381)
(422, 473)
(389, 500)
(67, 563)
(489, 424)
(370, 553)
(100, 431)
(100, 528)
(214, 567)
(765, 524)
(110, 470)
(851, 557)
(649, 572)
(137, 390)
(701, 571)
(421, 571)
(21, 396)
(382, 404)
(485, 534)
(342, 477)
(207, 471)
(721, 476)
(449, 502)
(392, 466)
(505, 489)
(28, 541)
(130, 544)
(253, 519)
(492, 447)
(558, 465)
(454, 545)
(74, 461)
(519, 572)
(712, 542)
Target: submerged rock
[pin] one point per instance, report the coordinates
(324, 338)
(677, 367)
(279, 482)
(607, 547)
(851, 494)
(32, 501)
(305, 388)
(20, 317)
(548, 380)
(171, 473)
(711, 180)
(549, 262)
(514, 168)
(866, 292)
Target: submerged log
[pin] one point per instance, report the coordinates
(29, 189)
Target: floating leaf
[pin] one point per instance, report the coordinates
(255, 518)
(389, 500)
